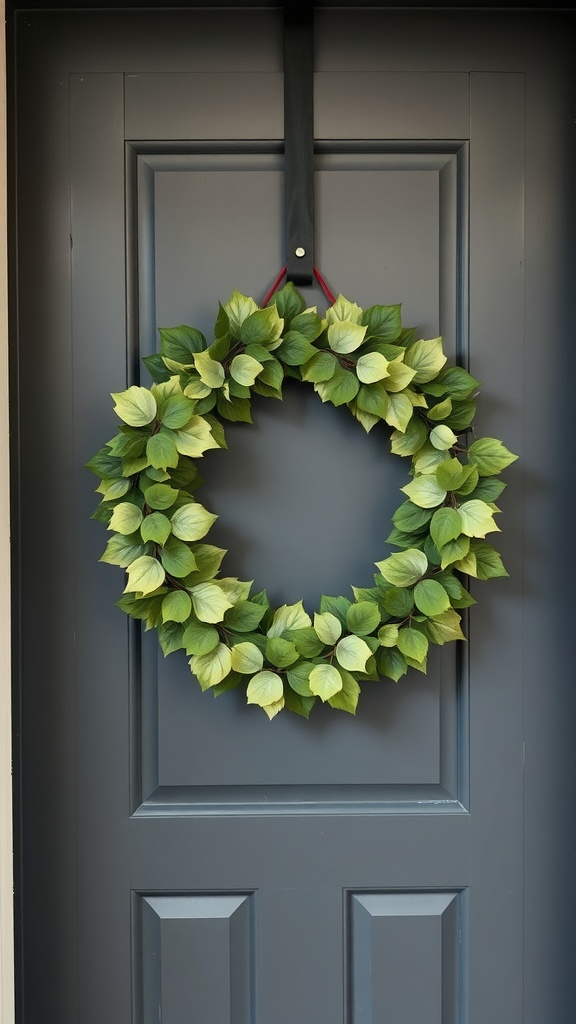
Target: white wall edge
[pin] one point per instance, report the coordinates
(6, 867)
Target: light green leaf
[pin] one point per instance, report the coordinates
(160, 496)
(210, 669)
(209, 602)
(371, 368)
(411, 441)
(412, 644)
(298, 677)
(136, 406)
(352, 653)
(363, 617)
(155, 527)
(426, 357)
(145, 574)
(324, 681)
(400, 411)
(272, 709)
(488, 561)
(404, 568)
(245, 369)
(445, 525)
(177, 558)
(246, 658)
(430, 598)
(424, 491)
(123, 550)
(320, 368)
(125, 519)
(490, 456)
(340, 389)
(176, 411)
(344, 310)
(477, 518)
(399, 375)
(281, 653)
(199, 638)
(428, 459)
(210, 371)
(237, 309)
(442, 437)
(195, 438)
(344, 336)
(289, 616)
(263, 327)
(451, 474)
(346, 699)
(445, 627)
(440, 411)
(244, 616)
(116, 488)
(161, 451)
(327, 627)
(192, 521)
(398, 601)
(454, 551)
(176, 606)
(196, 389)
(265, 689)
(467, 564)
(388, 635)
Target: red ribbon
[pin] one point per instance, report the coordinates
(331, 298)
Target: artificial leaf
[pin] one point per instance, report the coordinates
(327, 627)
(136, 406)
(195, 438)
(160, 496)
(404, 568)
(488, 561)
(425, 491)
(490, 456)
(210, 371)
(264, 689)
(341, 388)
(345, 336)
(411, 440)
(211, 668)
(346, 699)
(210, 602)
(289, 616)
(244, 369)
(430, 598)
(324, 681)
(280, 652)
(145, 574)
(125, 518)
(262, 327)
(237, 309)
(161, 451)
(454, 551)
(371, 367)
(244, 616)
(399, 412)
(392, 663)
(298, 676)
(320, 368)
(176, 606)
(121, 550)
(445, 627)
(352, 653)
(442, 437)
(445, 525)
(191, 521)
(177, 558)
(427, 358)
(344, 310)
(200, 638)
(155, 527)
(246, 658)
(412, 644)
(398, 601)
(363, 618)
(477, 518)
(388, 635)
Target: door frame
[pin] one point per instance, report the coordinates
(7, 1011)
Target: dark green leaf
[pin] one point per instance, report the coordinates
(398, 601)
(244, 616)
(180, 343)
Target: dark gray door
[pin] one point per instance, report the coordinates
(185, 860)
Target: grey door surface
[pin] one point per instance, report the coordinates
(183, 859)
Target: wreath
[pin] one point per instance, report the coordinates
(364, 359)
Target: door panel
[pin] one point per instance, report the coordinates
(217, 865)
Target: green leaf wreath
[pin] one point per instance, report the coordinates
(362, 358)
